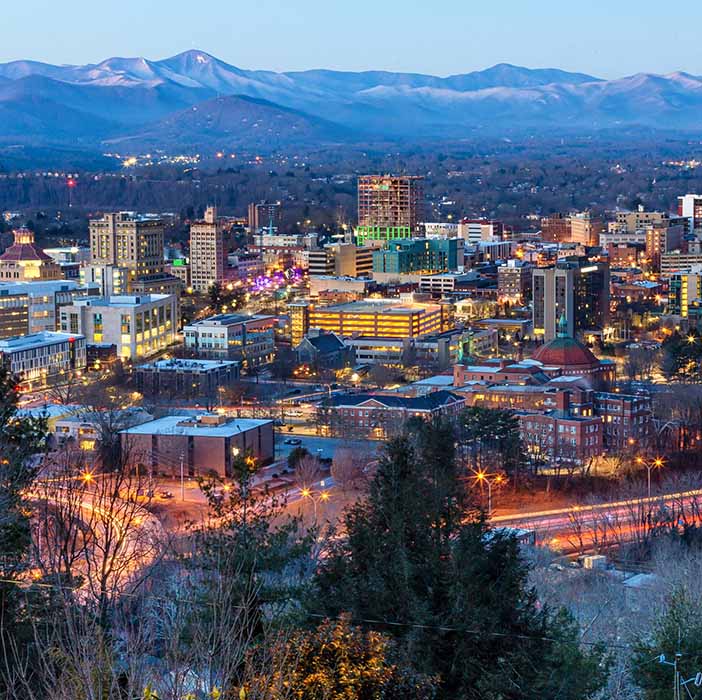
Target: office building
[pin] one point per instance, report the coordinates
(43, 300)
(472, 231)
(440, 230)
(180, 268)
(660, 240)
(186, 378)
(208, 256)
(138, 326)
(25, 261)
(126, 239)
(14, 314)
(514, 281)
(389, 207)
(685, 293)
(197, 446)
(677, 261)
(418, 256)
(39, 358)
(580, 227)
(585, 229)
(248, 339)
(443, 283)
(574, 289)
(264, 216)
(111, 279)
(632, 221)
(341, 260)
(690, 207)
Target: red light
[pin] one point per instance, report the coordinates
(71, 182)
(71, 340)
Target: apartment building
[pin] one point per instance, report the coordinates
(208, 255)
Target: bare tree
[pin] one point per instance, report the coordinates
(307, 471)
(348, 468)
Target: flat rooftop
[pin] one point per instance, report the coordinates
(380, 306)
(229, 319)
(182, 425)
(192, 365)
(36, 340)
(124, 301)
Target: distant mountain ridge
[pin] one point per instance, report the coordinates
(139, 102)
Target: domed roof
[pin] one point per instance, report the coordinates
(564, 351)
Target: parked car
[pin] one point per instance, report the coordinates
(166, 494)
(292, 441)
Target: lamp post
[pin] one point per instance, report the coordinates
(323, 497)
(482, 477)
(650, 465)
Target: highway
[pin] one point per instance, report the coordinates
(586, 527)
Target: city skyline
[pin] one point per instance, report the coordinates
(445, 40)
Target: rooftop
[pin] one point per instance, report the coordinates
(36, 340)
(122, 301)
(191, 365)
(410, 403)
(378, 306)
(229, 319)
(180, 425)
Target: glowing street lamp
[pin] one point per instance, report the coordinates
(650, 465)
(323, 497)
(482, 477)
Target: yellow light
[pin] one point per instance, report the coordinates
(324, 496)
(305, 493)
(87, 477)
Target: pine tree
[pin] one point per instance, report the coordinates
(417, 559)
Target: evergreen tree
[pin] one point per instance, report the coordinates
(20, 438)
(678, 630)
(417, 559)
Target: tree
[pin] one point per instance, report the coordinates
(381, 375)
(216, 296)
(20, 439)
(296, 455)
(677, 630)
(307, 471)
(347, 467)
(416, 555)
(336, 662)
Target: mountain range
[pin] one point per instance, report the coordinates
(194, 102)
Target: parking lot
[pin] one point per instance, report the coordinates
(321, 446)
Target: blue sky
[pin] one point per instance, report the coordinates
(608, 39)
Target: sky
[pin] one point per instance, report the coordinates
(608, 39)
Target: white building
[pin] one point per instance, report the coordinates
(111, 279)
(444, 282)
(249, 339)
(138, 326)
(40, 357)
(440, 230)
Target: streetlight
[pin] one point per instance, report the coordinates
(650, 465)
(323, 497)
(483, 477)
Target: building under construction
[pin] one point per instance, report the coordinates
(389, 207)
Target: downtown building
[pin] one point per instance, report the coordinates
(248, 339)
(39, 359)
(389, 207)
(575, 290)
(136, 326)
(208, 255)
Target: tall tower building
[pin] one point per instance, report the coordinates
(264, 216)
(128, 240)
(389, 207)
(208, 257)
(574, 289)
(690, 206)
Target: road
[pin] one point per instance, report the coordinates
(322, 446)
(587, 527)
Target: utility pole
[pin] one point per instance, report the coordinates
(182, 476)
(678, 683)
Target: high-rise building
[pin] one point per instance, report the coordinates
(685, 295)
(632, 221)
(574, 289)
(128, 240)
(661, 239)
(389, 207)
(208, 257)
(690, 206)
(555, 228)
(299, 321)
(264, 216)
